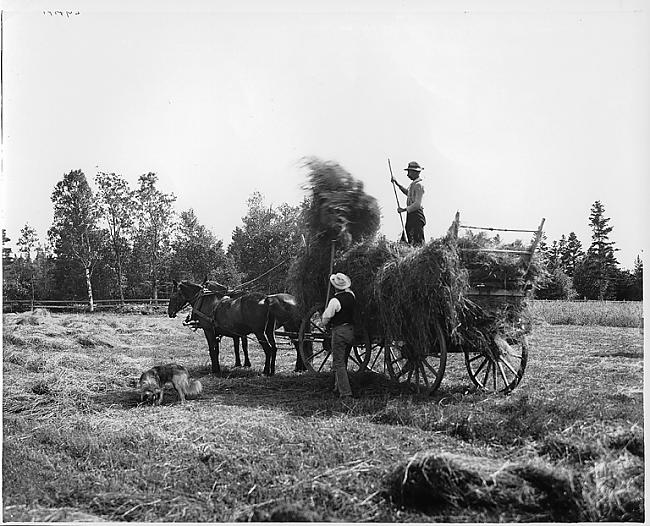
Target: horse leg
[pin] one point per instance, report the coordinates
(269, 332)
(213, 347)
(261, 339)
(300, 366)
(235, 344)
(244, 347)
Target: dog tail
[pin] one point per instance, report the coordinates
(194, 388)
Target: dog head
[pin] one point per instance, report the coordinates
(149, 386)
(149, 394)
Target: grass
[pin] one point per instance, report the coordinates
(597, 313)
(78, 446)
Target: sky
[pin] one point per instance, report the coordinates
(517, 110)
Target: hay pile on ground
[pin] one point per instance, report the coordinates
(436, 482)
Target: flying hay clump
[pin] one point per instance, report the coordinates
(339, 212)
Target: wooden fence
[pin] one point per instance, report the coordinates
(80, 305)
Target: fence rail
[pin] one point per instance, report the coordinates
(77, 305)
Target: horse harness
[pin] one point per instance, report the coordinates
(194, 323)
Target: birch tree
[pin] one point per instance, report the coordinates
(74, 228)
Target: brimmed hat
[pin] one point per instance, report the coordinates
(340, 281)
(414, 166)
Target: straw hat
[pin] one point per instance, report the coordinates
(340, 281)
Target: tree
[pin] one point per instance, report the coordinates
(117, 207)
(556, 285)
(197, 253)
(74, 228)
(7, 256)
(27, 243)
(595, 276)
(269, 238)
(154, 229)
(570, 254)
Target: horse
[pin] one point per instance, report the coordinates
(248, 313)
(203, 306)
(284, 308)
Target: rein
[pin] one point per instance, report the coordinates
(201, 293)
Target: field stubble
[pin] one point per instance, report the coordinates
(77, 444)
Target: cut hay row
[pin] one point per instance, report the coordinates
(610, 488)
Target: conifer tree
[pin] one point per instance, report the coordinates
(595, 276)
(571, 254)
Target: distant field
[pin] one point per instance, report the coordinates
(603, 313)
(566, 445)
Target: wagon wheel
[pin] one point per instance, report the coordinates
(315, 344)
(499, 366)
(423, 374)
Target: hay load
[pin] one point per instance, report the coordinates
(401, 290)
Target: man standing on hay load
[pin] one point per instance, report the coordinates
(415, 219)
(340, 312)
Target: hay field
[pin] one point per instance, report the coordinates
(601, 313)
(566, 445)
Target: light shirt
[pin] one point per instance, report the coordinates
(333, 307)
(414, 196)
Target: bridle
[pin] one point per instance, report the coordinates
(190, 301)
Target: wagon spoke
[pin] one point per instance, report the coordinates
(430, 367)
(416, 381)
(374, 362)
(487, 373)
(477, 357)
(507, 364)
(320, 368)
(486, 360)
(404, 370)
(424, 375)
(408, 379)
(506, 383)
(314, 355)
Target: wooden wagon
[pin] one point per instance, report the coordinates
(496, 363)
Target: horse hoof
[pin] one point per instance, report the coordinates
(247, 364)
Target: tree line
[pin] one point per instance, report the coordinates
(118, 242)
(571, 272)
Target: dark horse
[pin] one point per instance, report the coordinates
(202, 308)
(285, 310)
(249, 313)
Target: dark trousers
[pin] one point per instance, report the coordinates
(342, 340)
(415, 222)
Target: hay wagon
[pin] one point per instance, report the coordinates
(495, 358)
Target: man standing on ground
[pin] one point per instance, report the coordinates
(340, 312)
(415, 219)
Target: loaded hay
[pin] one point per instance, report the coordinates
(401, 289)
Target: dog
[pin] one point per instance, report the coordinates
(153, 382)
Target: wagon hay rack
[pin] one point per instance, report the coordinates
(525, 255)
